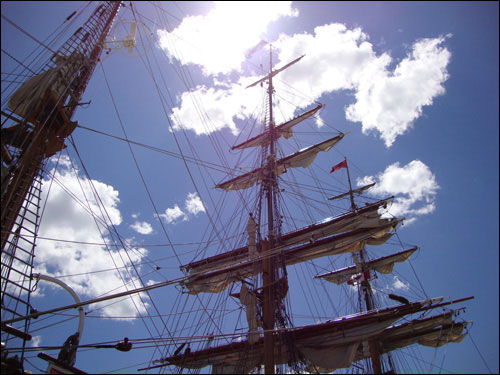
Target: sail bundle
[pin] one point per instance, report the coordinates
(365, 217)
(433, 331)
(302, 158)
(332, 344)
(383, 265)
(284, 130)
(219, 278)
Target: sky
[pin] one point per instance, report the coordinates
(414, 84)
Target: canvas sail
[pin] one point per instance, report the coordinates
(365, 217)
(332, 344)
(301, 158)
(220, 278)
(383, 265)
(284, 130)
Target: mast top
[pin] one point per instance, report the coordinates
(274, 72)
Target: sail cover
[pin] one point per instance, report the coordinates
(434, 331)
(220, 278)
(284, 130)
(365, 217)
(383, 265)
(328, 345)
(302, 158)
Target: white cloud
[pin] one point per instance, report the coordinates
(193, 205)
(389, 102)
(218, 40)
(400, 285)
(35, 341)
(337, 58)
(220, 107)
(142, 227)
(386, 101)
(172, 214)
(413, 185)
(68, 218)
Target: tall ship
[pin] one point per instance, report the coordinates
(289, 276)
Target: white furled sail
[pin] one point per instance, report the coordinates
(218, 279)
(302, 158)
(365, 217)
(284, 130)
(383, 265)
(332, 344)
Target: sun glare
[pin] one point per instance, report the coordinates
(218, 41)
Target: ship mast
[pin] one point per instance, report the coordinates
(35, 124)
(268, 276)
(365, 288)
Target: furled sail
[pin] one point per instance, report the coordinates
(364, 217)
(383, 265)
(433, 331)
(332, 344)
(218, 279)
(284, 130)
(30, 94)
(302, 158)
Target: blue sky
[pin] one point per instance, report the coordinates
(415, 84)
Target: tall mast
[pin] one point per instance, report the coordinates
(268, 267)
(35, 124)
(366, 289)
(273, 290)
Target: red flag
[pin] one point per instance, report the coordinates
(340, 165)
(360, 277)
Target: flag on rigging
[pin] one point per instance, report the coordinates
(359, 278)
(340, 165)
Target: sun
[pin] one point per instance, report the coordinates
(218, 40)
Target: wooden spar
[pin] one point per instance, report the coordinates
(338, 325)
(285, 238)
(95, 300)
(329, 245)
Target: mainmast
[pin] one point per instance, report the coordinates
(268, 276)
(35, 124)
(320, 347)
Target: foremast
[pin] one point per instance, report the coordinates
(35, 124)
